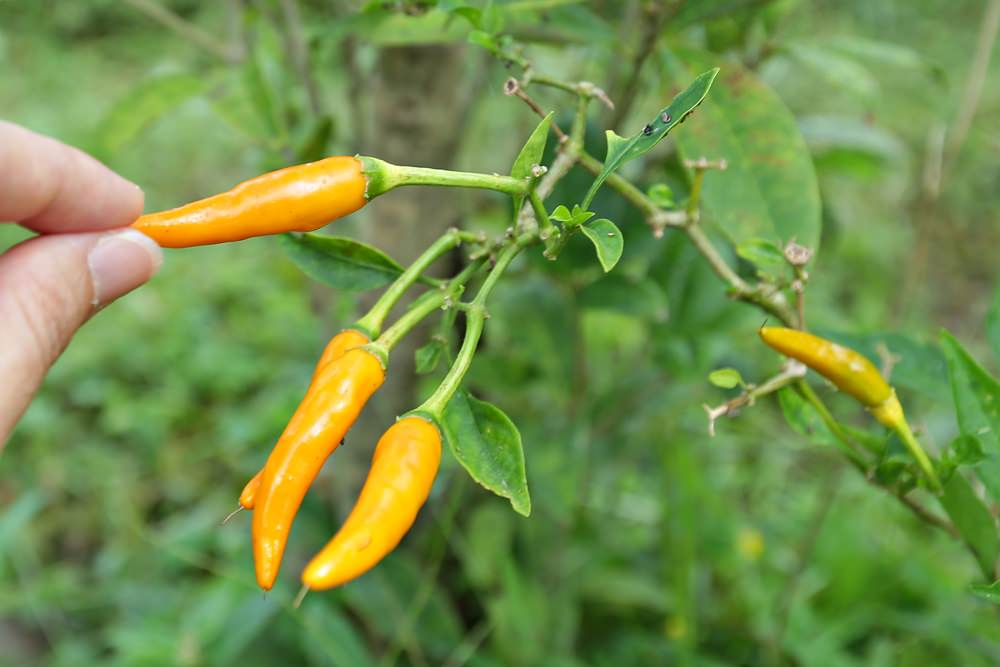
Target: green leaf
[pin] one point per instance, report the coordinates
(580, 215)
(977, 408)
(488, 445)
(662, 195)
(561, 214)
(427, 356)
(989, 592)
(144, 104)
(607, 240)
(965, 450)
(803, 418)
(726, 378)
(530, 155)
(766, 256)
(769, 188)
(341, 262)
(621, 150)
(973, 520)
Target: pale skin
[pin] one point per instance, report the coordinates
(83, 257)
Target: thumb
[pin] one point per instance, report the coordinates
(49, 286)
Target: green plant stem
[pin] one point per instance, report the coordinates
(383, 176)
(695, 197)
(847, 446)
(545, 227)
(656, 217)
(543, 80)
(372, 321)
(475, 318)
(425, 305)
(845, 442)
(902, 429)
(792, 372)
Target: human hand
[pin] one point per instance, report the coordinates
(53, 283)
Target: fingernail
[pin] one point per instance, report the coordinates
(120, 262)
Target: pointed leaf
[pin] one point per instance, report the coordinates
(561, 214)
(769, 188)
(488, 445)
(341, 262)
(973, 520)
(530, 155)
(607, 240)
(426, 357)
(621, 149)
(977, 407)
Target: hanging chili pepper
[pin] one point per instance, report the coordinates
(850, 371)
(295, 199)
(338, 345)
(855, 375)
(339, 391)
(403, 469)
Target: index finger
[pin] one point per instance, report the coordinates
(50, 187)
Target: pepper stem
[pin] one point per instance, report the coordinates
(475, 316)
(425, 305)
(371, 323)
(382, 176)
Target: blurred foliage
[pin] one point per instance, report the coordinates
(648, 543)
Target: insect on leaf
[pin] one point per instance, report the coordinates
(621, 149)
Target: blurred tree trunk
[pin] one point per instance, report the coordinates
(420, 100)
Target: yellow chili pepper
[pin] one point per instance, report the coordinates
(856, 376)
(403, 469)
(850, 371)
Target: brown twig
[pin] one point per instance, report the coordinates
(792, 371)
(513, 87)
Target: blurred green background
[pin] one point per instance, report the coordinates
(649, 543)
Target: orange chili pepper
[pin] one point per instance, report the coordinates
(403, 469)
(339, 391)
(249, 493)
(342, 342)
(295, 199)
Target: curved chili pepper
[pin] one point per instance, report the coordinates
(338, 345)
(295, 199)
(850, 371)
(339, 391)
(403, 469)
